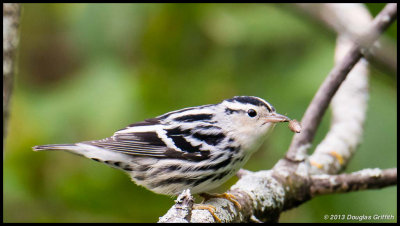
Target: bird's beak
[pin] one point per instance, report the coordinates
(276, 118)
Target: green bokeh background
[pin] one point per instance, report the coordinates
(87, 70)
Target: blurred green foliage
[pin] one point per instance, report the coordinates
(87, 70)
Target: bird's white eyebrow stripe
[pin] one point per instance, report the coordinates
(256, 101)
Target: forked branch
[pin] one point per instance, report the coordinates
(263, 195)
(321, 100)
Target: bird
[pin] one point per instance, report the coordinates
(197, 148)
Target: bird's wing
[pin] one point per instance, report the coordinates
(145, 139)
(139, 144)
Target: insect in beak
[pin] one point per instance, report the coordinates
(276, 118)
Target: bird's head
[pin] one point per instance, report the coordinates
(248, 118)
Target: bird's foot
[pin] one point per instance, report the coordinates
(210, 209)
(227, 196)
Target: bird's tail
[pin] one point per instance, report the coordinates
(52, 147)
(73, 148)
(86, 150)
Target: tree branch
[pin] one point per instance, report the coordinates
(182, 209)
(264, 195)
(361, 180)
(259, 194)
(11, 12)
(349, 105)
(319, 104)
(342, 19)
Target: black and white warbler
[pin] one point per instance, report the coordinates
(197, 148)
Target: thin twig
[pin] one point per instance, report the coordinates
(321, 100)
(361, 180)
(349, 105)
(337, 18)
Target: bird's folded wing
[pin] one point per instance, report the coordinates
(147, 144)
(135, 143)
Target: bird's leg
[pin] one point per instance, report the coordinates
(227, 196)
(210, 209)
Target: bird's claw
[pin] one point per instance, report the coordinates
(210, 209)
(227, 196)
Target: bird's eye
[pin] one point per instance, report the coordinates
(251, 112)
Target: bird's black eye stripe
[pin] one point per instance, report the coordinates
(252, 113)
(230, 111)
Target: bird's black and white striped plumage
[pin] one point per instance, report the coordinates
(197, 148)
